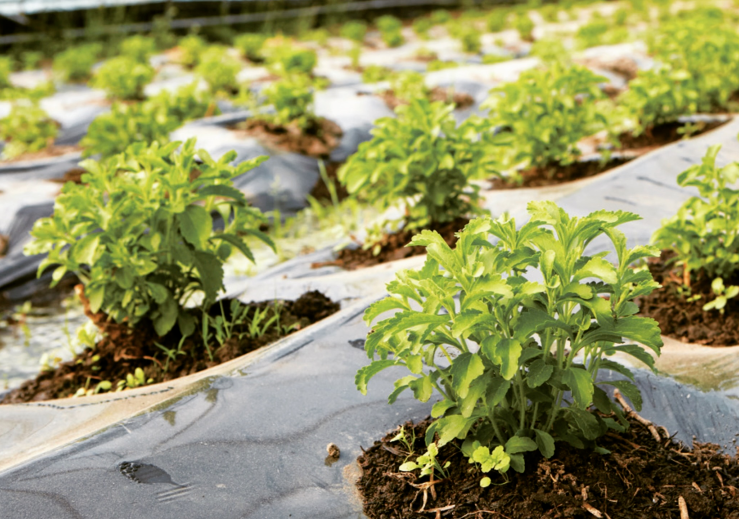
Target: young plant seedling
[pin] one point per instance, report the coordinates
(123, 78)
(26, 129)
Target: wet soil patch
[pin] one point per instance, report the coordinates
(393, 247)
(317, 139)
(48, 152)
(630, 148)
(321, 191)
(640, 479)
(122, 349)
(685, 320)
(461, 100)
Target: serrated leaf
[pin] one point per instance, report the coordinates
(465, 368)
(450, 427)
(517, 444)
(581, 384)
(365, 373)
(508, 350)
(195, 225)
(539, 373)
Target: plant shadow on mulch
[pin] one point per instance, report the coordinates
(122, 349)
(684, 320)
(393, 247)
(631, 147)
(640, 479)
(316, 140)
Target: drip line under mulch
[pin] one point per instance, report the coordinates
(641, 478)
(122, 349)
(630, 148)
(686, 320)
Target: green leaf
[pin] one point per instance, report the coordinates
(196, 225)
(211, 273)
(477, 390)
(365, 373)
(465, 368)
(450, 427)
(422, 388)
(95, 294)
(545, 442)
(236, 242)
(496, 391)
(382, 306)
(598, 268)
(223, 191)
(441, 407)
(84, 250)
(508, 350)
(539, 372)
(586, 422)
(167, 317)
(581, 384)
(516, 444)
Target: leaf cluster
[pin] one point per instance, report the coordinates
(292, 99)
(150, 121)
(140, 234)
(250, 45)
(123, 77)
(27, 128)
(516, 361)
(287, 59)
(354, 30)
(547, 112)
(704, 233)
(219, 69)
(390, 30)
(139, 48)
(191, 47)
(75, 63)
(6, 67)
(423, 160)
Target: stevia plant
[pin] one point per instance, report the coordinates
(219, 69)
(75, 63)
(150, 121)
(250, 45)
(422, 161)
(140, 232)
(287, 59)
(123, 78)
(422, 26)
(354, 30)
(139, 48)
(26, 129)
(704, 233)
(6, 67)
(514, 361)
(292, 100)
(525, 26)
(390, 30)
(546, 113)
(191, 47)
(408, 85)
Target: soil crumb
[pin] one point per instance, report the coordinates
(639, 479)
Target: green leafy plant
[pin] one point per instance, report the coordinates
(440, 17)
(704, 234)
(722, 293)
(546, 113)
(498, 20)
(513, 348)
(31, 59)
(191, 47)
(470, 39)
(132, 381)
(75, 63)
(438, 64)
(422, 160)
(219, 69)
(292, 99)
(26, 129)
(6, 67)
(287, 59)
(409, 85)
(123, 78)
(150, 121)
(354, 30)
(390, 30)
(376, 73)
(139, 233)
(422, 26)
(250, 45)
(427, 463)
(525, 26)
(139, 48)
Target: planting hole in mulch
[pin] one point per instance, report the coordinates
(393, 247)
(315, 140)
(71, 175)
(48, 152)
(461, 100)
(631, 147)
(685, 320)
(321, 191)
(122, 350)
(640, 479)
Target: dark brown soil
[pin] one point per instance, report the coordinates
(631, 147)
(686, 321)
(321, 192)
(123, 349)
(72, 175)
(393, 247)
(316, 140)
(640, 479)
(49, 151)
(461, 100)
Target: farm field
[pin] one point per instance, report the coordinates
(482, 262)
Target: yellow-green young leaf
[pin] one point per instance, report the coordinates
(508, 350)
(414, 363)
(422, 388)
(382, 306)
(598, 268)
(441, 407)
(408, 466)
(465, 368)
(477, 390)
(83, 252)
(485, 482)
(95, 295)
(196, 225)
(367, 372)
(450, 427)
